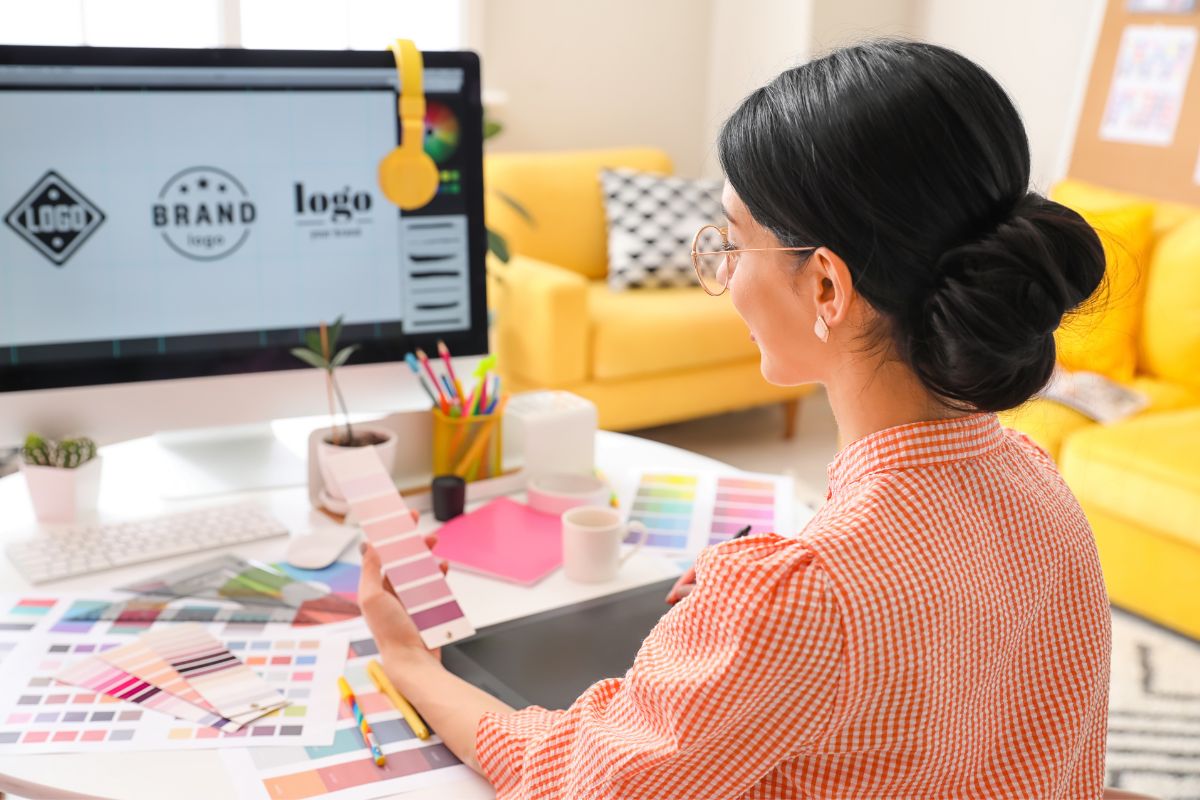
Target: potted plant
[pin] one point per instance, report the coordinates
(63, 477)
(321, 351)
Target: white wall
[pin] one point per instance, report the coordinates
(751, 41)
(841, 22)
(1039, 50)
(667, 72)
(599, 74)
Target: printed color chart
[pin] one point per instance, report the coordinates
(40, 715)
(344, 770)
(685, 512)
(407, 562)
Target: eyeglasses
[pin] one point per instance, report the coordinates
(714, 259)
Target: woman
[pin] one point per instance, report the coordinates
(941, 628)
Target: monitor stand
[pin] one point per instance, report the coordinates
(210, 461)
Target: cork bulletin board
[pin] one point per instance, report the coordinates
(1139, 126)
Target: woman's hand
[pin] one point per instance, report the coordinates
(392, 627)
(682, 587)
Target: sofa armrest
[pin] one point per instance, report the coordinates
(541, 321)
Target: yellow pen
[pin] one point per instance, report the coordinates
(375, 670)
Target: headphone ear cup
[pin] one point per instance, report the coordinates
(408, 179)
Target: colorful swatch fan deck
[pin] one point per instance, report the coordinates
(220, 677)
(182, 671)
(98, 675)
(407, 562)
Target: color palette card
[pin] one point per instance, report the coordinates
(407, 562)
(217, 675)
(686, 511)
(343, 770)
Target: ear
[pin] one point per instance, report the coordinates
(834, 288)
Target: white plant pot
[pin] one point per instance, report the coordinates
(331, 496)
(59, 494)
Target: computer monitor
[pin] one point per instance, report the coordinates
(173, 220)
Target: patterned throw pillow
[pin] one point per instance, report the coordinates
(651, 222)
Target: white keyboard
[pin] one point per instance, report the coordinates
(63, 551)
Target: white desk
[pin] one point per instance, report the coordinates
(133, 776)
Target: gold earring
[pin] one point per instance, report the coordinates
(821, 329)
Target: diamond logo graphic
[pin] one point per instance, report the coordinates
(54, 217)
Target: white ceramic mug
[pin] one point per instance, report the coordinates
(592, 537)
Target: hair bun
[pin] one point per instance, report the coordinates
(982, 334)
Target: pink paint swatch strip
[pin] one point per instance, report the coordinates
(384, 515)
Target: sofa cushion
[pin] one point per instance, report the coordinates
(1144, 470)
(561, 194)
(1081, 194)
(1101, 336)
(645, 333)
(1165, 395)
(1049, 423)
(1170, 341)
(652, 220)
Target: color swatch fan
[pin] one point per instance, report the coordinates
(261, 589)
(407, 562)
(181, 671)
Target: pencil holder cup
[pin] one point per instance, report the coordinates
(469, 447)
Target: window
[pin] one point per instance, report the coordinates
(275, 24)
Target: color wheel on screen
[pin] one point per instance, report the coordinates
(441, 132)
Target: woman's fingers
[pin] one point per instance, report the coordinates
(431, 540)
(370, 581)
(682, 587)
(444, 566)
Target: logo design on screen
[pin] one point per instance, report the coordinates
(55, 218)
(332, 214)
(204, 213)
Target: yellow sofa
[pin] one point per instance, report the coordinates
(644, 356)
(1138, 480)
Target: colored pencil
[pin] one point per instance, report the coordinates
(411, 360)
(424, 359)
(444, 352)
(363, 726)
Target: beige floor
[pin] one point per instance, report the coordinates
(753, 440)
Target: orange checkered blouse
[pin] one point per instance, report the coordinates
(939, 629)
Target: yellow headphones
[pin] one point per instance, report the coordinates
(407, 175)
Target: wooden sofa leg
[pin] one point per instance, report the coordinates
(791, 415)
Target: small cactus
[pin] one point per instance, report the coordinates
(66, 454)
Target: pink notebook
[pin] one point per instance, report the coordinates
(503, 539)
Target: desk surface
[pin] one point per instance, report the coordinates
(131, 776)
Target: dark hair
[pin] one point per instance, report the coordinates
(910, 162)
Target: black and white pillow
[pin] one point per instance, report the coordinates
(652, 220)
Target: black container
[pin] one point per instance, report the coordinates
(449, 497)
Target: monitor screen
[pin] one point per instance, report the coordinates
(180, 213)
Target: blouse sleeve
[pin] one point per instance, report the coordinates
(739, 676)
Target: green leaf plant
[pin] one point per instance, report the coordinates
(321, 351)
